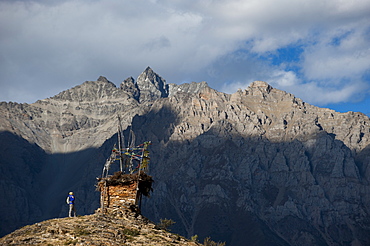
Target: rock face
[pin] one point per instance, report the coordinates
(257, 167)
(130, 86)
(151, 86)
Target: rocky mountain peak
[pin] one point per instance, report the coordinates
(151, 86)
(101, 89)
(130, 87)
(128, 81)
(148, 70)
(259, 83)
(259, 87)
(103, 79)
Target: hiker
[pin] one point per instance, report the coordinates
(71, 202)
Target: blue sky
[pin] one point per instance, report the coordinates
(318, 50)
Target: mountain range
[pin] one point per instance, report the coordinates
(256, 167)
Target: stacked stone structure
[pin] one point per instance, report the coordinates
(123, 191)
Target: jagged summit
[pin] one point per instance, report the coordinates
(103, 79)
(101, 89)
(129, 80)
(148, 69)
(151, 86)
(262, 85)
(149, 75)
(130, 87)
(260, 95)
(259, 83)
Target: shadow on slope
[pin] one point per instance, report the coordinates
(20, 163)
(34, 185)
(234, 188)
(246, 190)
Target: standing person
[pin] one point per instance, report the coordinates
(71, 202)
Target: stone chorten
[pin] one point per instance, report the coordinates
(123, 191)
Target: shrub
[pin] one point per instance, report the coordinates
(209, 242)
(131, 232)
(194, 238)
(164, 224)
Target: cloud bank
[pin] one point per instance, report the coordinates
(317, 50)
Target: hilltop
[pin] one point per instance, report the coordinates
(95, 229)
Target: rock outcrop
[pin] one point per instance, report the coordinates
(130, 86)
(151, 86)
(257, 167)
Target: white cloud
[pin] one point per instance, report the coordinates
(349, 58)
(283, 79)
(48, 46)
(320, 95)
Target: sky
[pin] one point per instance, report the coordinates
(318, 50)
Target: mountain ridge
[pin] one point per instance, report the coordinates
(294, 172)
